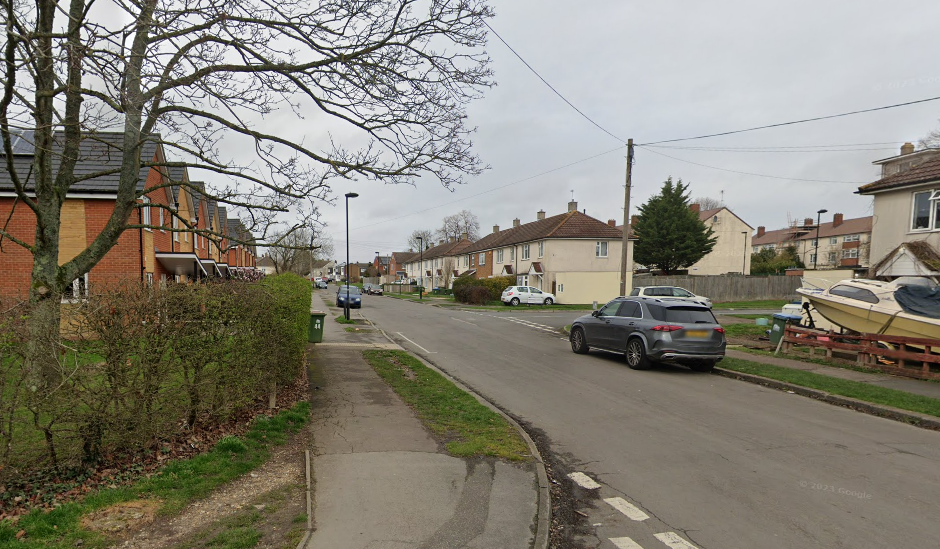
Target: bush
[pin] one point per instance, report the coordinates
(463, 288)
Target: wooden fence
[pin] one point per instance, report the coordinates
(729, 288)
(904, 356)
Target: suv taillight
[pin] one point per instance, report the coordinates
(666, 328)
(720, 330)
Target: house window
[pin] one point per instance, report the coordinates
(150, 279)
(541, 248)
(176, 225)
(466, 260)
(851, 253)
(850, 238)
(162, 229)
(482, 259)
(78, 289)
(472, 259)
(812, 258)
(815, 242)
(146, 210)
(831, 258)
(525, 252)
(499, 255)
(920, 217)
(512, 253)
(600, 249)
(834, 240)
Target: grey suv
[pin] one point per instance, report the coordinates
(647, 330)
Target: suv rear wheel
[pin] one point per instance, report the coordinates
(636, 355)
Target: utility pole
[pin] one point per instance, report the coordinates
(626, 219)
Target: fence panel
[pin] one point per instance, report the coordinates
(729, 288)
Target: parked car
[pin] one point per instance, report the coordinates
(647, 330)
(320, 285)
(515, 295)
(354, 297)
(372, 289)
(670, 291)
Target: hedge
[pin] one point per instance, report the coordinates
(463, 288)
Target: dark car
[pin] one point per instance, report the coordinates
(372, 289)
(354, 297)
(320, 285)
(648, 330)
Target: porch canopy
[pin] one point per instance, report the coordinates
(182, 264)
(211, 266)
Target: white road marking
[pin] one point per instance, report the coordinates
(416, 345)
(627, 508)
(625, 543)
(673, 540)
(464, 321)
(584, 481)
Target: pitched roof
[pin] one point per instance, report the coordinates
(920, 249)
(445, 249)
(97, 152)
(801, 232)
(265, 262)
(403, 257)
(922, 173)
(572, 224)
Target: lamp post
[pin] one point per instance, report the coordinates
(346, 308)
(816, 249)
(421, 266)
(744, 267)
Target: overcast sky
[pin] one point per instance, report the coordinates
(663, 70)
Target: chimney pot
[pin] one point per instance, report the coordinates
(464, 236)
(760, 231)
(837, 220)
(612, 222)
(907, 148)
(695, 207)
(515, 222)
(572, 206)
(495, 228)
(808, 222)
(540, 215)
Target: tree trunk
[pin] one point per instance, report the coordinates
(43, 369)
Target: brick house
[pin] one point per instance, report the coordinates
(438, 265)
(843, 243)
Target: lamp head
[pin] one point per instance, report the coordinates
(822, 211)
(352, 195)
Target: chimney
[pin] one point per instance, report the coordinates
(464, 236)
(808, 222)
(540, 215)
(907, 148)
(634, 219)
(837, 220)
(495, 228)
(695, 207)
(515, 222)
(612, 222)
(760, 231)
(440, 242)
(572, 206)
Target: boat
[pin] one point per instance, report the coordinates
(907, 307)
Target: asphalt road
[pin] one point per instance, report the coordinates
(712, 462)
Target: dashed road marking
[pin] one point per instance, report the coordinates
(464, 321)
(584, 481)
(674, 541)
(627, 508)
(416, 345)
(625, 543)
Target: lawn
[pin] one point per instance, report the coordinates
(760, 304)
(172, 487)
(745, 330)
(852, 389)
(500, 306)
(749, 317)
(467, 427)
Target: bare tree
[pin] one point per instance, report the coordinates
(419, 236)
(299, 249)
(453, 226)
(708, 203)
(197, 77)
(931, 140)
(447, 271)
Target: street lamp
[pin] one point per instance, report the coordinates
(744, 268)
(421, 266)
(816, 249)
(346, 308)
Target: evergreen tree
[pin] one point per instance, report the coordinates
(670, 235)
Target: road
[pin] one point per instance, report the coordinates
(714, 463)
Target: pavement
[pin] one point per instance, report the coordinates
(381, 480)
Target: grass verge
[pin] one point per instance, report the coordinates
(749, 317)
(174, 486)
(342, 320)
(357, 330)
(835, 386)
(500, 306)
(759, 304)
(744, 329)
(467, 427)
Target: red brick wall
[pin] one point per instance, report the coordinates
(17, 262)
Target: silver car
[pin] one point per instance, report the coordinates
(647, 330)
(674, 292)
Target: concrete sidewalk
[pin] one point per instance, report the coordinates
(382, 481)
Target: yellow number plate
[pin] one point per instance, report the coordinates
(696, 333)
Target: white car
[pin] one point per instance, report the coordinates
(674, 292)
(515, 295)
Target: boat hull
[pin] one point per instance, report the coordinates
(871, 319)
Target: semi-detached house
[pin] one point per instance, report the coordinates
(572, 255)
(163, 250)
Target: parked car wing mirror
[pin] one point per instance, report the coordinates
(595, 313)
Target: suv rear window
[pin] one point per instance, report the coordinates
(689, 315)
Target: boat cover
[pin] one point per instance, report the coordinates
(919, 300)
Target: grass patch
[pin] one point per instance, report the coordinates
(759, 304)
(749, 317)
(745, 330)
(175, 486)
(500, 306)
(342, 320)
(842, 387)
(468, 427)
(357, 330)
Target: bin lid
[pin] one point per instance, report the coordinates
(783, 316)
(317, 313)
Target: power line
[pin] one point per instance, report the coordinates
(489, 191)
(815, 119)
(563, 98)
(769, 150)
(755, 174)
(777, 146)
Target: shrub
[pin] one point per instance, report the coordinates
(463, 288)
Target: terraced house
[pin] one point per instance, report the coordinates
(572, 255)
(162, 249)
(438, 265)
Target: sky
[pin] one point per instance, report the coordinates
(654, 71)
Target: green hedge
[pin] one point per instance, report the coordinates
(495, 286)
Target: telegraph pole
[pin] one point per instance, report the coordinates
(626, 219)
